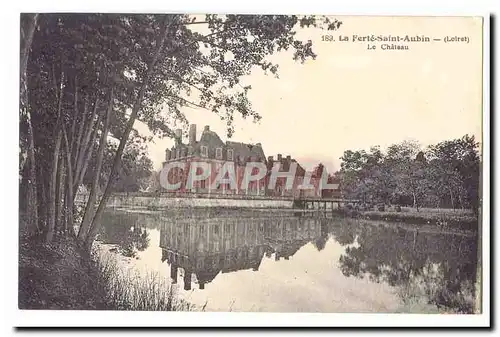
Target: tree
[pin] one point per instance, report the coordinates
(365, 176)
(154, 65)
(457, 169)
(27, 145)
(409, 170)
(444, 175)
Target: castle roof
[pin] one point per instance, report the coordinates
(212, 141)
(210, 138)
(245, 150)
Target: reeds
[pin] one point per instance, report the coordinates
(131, 291)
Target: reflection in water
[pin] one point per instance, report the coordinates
(127, 231)
(338, 265)
(205, 247)
(442, 266)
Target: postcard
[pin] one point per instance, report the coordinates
(221, 163)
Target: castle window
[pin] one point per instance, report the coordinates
(218, 153)
(204, 151)
(178, 154)
(230, 154)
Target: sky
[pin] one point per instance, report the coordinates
(352, 97)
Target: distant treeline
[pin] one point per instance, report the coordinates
(444, 175)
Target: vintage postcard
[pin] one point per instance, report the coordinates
(252, 163)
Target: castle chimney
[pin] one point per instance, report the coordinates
(178, 136)
(207, 128)
(270, 159)
(167, 154)
(192, 134)
(187, 280)
(279, 157)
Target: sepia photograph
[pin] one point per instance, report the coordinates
(255, 163)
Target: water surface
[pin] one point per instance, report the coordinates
(278, 261)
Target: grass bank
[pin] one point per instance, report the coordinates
(61, 276)
(444, 218)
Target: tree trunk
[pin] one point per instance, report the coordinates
(89, 209)
(42, 200)
(94, 229)
(26, 40)
(53, 175)
(58, 202)
(31, 191)
(460, 200)
(88, 154)
(452, 199)
(31, 194)
(52, 189)
(77, 142)
(69, 201)
(75, 117)
(83, 146)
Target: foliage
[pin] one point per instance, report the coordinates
(442, 175)
(135, 168)
(148, 67)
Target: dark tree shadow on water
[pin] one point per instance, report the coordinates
(438, 267)
(126, 232)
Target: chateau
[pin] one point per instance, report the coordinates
(212, 150)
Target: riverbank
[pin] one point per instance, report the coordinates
(444, 219)
(60, 276)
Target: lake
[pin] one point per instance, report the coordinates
(276, 261)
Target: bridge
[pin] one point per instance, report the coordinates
(322, 203)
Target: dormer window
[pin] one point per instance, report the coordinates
(204, 151)
(230, 154)
(218, 153)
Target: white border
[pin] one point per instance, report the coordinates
(10, 44)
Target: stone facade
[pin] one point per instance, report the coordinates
(212, 150)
